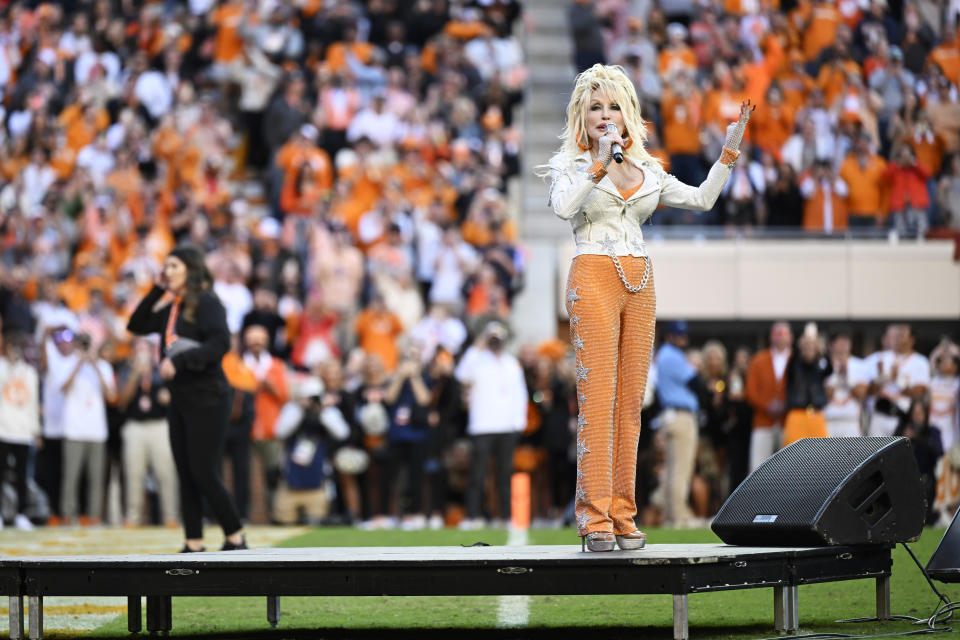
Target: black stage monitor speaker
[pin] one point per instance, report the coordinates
(944, 564)
(828, 491)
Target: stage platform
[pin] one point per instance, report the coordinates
(675, 569)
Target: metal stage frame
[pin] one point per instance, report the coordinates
(675, 569)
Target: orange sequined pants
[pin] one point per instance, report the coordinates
(612, 333)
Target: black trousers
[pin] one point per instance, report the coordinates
(198, 427)
(500, 446)
(413, 457)
(20, 453)
(238, 452)
(49, 469)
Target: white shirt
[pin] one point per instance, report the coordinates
(155, 92)
(497, 394)
(432, 332)
(912, 370)
(84, 415)
(842, 413)
(449, 275)
(943, 408)
(19, 402)
(383, 129)
(780, 359)
(99, 162)
(237, 301)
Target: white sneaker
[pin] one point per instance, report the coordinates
(468, 524)
(414, 522)
(22, 522)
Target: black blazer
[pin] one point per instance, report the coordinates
(198, 369)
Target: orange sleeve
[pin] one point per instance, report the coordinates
(324, 177)
(757, 396)
(289, 202)
(336, 57)
(278, 381)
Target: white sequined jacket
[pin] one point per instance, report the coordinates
(603, 222)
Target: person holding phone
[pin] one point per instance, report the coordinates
(192, 324)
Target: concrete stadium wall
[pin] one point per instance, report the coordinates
(797, 279)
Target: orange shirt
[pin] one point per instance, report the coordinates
(929, 150)
(267, 403)
(465, 30)
(821, 31)
(81, 132)
(722, 106)
(814, 209)
(795, 87)
(337, 54)
(947, 57)
(292, 155)
(227, 44)
(772, 125)
(670, 60)
(866, 185)
(681, 123)
(377, 333)
(832, 79)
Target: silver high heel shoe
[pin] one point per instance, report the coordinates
(632, 541)
(597, 541)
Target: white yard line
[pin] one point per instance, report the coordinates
(514, 611)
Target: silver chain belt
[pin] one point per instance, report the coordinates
(623, 277)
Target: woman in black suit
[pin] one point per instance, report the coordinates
(200, 397)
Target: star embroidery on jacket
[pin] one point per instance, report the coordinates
(582, 372)
(581, 448)
(609, 245)
(637, 245)
(577, 342)
(572, 295)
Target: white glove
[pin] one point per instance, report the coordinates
(735, 130)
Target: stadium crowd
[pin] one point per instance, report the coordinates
(345, 166)
(858, 123)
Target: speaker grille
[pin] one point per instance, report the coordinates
(795, 482)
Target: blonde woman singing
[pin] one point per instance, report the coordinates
(610, 294)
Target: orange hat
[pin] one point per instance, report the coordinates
(553, 349)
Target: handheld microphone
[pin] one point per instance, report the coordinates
(617, 149)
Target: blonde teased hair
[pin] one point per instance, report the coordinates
(612, 81)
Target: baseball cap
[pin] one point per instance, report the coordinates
(676, 328)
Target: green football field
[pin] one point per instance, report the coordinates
(724, 615)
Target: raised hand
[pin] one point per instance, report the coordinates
(731, 146)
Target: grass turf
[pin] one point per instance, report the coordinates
(730, 615)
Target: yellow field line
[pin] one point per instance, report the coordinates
(74, 610)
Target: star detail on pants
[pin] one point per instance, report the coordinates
(575, 320)
(579, 475)
(581, 421)
(572, 295)
(582, 372)
(583, 400)
(609, 245)
(582, 521)
(581, 448)
(581, 494)
(577, 342)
